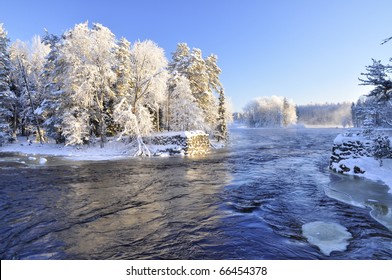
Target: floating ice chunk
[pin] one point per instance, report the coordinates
(327, 236)
(42, 160)
(32, 158)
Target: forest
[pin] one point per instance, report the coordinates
(85, 85)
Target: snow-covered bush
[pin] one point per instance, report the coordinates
(382, 147)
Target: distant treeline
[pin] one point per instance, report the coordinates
(280, 112)
(328, 114)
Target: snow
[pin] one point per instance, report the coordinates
(372, 168)
(328, 237)
(112, 150)
(180, 133)
(343, 138)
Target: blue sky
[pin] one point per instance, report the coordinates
(309, 51)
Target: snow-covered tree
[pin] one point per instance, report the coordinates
(148, 78)
(377, 76)
(89, 57)
(270, 112)
(184, 114)
(133, 123)
(7, 97)
(289, 113)
(180, 60)
(203, 75)
(382, 147)
(55, 101)
(221, 130)
(140, 88)
(199, 82)
(28, 59)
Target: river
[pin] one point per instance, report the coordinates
(247, 201)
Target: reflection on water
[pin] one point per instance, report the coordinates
(248, 201)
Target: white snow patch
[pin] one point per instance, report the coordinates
(112, 150)
(180, 133)
(372, 168)
(343, 138)
(328, 237)
(42, 161)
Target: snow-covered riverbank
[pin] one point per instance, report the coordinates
(372, 169)
(113, 149)
(160, 144)
(353, 155)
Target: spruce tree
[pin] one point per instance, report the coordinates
(7, 98)
(377, 76)
(222, 125)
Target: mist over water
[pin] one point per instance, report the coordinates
(248, 201)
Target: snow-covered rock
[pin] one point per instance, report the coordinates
(181, 142)
(328, 237)
(349, 146)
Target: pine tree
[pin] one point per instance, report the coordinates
(377, 76)
(381, 147)
(222, 133)
(180, 60)
(203, 76)
(55, 100)
(7, 98)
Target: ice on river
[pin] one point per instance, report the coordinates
(328, 237)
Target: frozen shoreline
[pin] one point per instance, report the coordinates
(112, 150)
(372, 168)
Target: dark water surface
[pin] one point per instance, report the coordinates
(248, 201)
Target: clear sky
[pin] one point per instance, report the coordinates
(306, 50)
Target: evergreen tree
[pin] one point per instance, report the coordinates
(7, 98)
(55, 100)
(222, 125)
(377, 76)
(203, 76)
(180, 60)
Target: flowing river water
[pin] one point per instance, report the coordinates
(247, 201)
